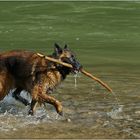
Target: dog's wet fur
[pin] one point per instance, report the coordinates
(24, 70)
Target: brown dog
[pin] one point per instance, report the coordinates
(29, 71)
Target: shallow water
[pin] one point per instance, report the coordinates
(105, 36)
(89, 112)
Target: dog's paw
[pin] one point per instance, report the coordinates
(59, 110)
(31, 112)
(27, 103)
(61, 113)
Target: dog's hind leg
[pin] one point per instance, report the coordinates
(2, 94)
(4, 85)
(16, 95)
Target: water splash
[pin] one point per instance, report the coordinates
(19, 118)
(75, 80)
(116, 112)
(116, 98)
(14, 115)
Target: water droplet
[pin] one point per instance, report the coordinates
(68, 120)
(77, 38)
(50, 27)
(75, 80)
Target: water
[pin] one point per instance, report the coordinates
(89, 111)
(105, 37)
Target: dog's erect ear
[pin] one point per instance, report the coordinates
(57, 48)
(65, 47)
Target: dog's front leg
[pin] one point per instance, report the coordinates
(32, 107)
(34, 100)
(53, 101)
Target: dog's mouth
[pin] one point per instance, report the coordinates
(76, 65)
(76, 69)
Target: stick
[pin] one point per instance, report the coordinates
(82, 70)
(58, 61)
(55, 60)
(96, 79)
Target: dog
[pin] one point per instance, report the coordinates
(24, 70)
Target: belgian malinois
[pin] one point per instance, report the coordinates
(23, 70)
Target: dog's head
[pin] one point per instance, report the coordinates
(67, 56)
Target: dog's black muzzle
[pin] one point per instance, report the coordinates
(77, 66)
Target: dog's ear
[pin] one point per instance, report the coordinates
(57, 48)
(65, 47)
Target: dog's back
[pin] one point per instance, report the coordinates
(15, 62)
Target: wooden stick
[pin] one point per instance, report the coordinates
(58, 61)
(55, 60)
(82, 70)
(96, 79)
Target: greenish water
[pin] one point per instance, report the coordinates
(106, 38)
